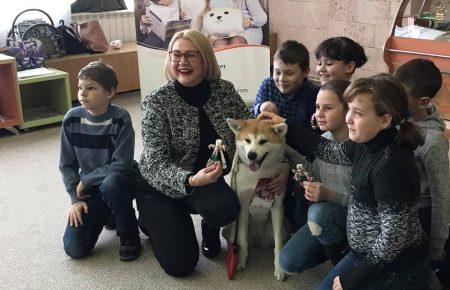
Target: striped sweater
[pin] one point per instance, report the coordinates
(94, 147)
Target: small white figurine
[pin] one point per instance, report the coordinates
(218, 154)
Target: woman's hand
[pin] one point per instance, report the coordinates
(271, 118)
(316, 191)
(337, 284)
(75, 217)
(279, 179)
(182, 15)
(207, 175)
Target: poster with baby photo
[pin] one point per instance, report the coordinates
(238, 30)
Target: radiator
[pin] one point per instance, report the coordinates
(115, 24)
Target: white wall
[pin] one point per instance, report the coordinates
(57, 9)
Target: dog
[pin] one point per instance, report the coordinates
(260, 153)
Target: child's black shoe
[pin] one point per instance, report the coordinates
(130, 247)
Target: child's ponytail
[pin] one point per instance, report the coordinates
(409, 135)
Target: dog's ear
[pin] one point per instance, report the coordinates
(280, 129)
(235, 125)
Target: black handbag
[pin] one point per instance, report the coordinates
(71, 42)
(51, 39)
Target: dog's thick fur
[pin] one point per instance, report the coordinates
(257, 225)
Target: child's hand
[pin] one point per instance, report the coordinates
(246, 23)
(279, 180)
(316, 191)
(145, 20)
(207, 175)
(182, 15)
(75, 217)
(268, 106)
(271, 118)
(80, 191)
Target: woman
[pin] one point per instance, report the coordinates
(179, 121)
(383, 228)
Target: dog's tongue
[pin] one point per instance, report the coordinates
(254, 166)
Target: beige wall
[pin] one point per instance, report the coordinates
(312, 21)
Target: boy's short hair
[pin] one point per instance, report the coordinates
(342, 49)
(293, 52)
(421, 77)
(102, 73)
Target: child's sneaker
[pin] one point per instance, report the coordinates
(130, 247)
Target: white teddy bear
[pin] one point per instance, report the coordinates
(223, 22)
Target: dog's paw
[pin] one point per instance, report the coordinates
(280, 275)
(242, 261)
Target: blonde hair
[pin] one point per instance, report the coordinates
(201, 42)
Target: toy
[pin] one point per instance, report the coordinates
(218, 154)
(223, 22)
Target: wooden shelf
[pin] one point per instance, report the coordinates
(123, 60)
(44, 99)
(9, 93)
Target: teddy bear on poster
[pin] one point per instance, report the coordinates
(223, 22)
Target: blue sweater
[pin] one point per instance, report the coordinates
(94, 147)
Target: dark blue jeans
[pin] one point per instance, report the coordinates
(413, 277)
(303, 251)
(114, 196)
(331, 218)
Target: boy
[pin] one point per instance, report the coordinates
(422, 80)
(289, 92)
(97, 166)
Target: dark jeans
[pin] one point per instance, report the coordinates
(114, 196)
(168, 223)
(444, 267)
(413, 277)
(303, 251)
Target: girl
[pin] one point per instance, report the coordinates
(254, 18)
(383, 228)
(338, 58)
(327, 216)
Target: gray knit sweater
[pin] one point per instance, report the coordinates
(433, 165)
(171, 133)
(335, 176)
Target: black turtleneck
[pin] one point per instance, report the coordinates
(197, 96)
(383, 227)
